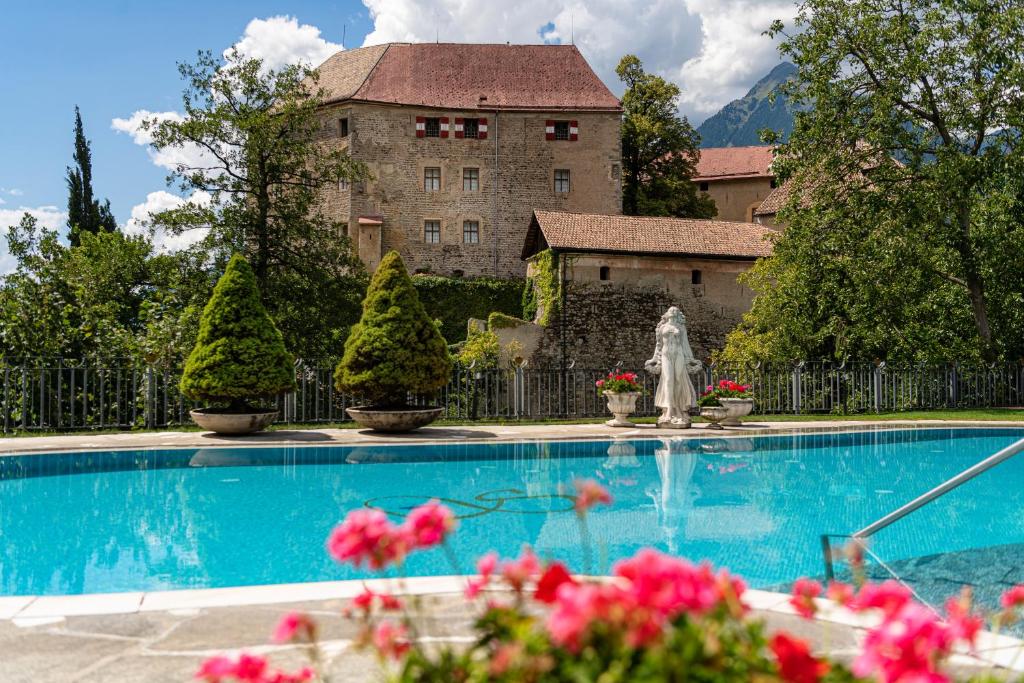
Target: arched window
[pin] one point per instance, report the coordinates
(606, 273)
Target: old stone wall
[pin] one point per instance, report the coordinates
(737, 199)
(613, 320)
(516, 175)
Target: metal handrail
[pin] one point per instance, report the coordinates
(940, 490)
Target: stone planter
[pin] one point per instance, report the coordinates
(714, 415)
(393, 419)
(621, 405)
(221, 422)
(738, 407)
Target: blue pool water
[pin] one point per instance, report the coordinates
(166, 519)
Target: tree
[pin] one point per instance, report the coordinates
(395, 349)
(659, 149)
(239, 355)
(85, 214)
(906, 157)
(258, 156)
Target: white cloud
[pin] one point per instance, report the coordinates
(169, 157)
(49, 217)
(15, 192)
(282, 40)
(140, 222)
(712, 48)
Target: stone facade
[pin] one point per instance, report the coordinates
(606, 321)
(515, 164)
(737, 199)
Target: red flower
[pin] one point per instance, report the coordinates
(804, 593)
(1013, 598)
(589, 493)
(295, 625)
(428, 525)
(796, 663)
(554, 576)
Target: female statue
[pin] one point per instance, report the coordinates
(673, 362)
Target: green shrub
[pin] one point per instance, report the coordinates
(395, 349)
(500, 321)
(454, 301)
(239, 354)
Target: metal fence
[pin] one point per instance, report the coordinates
(63, 395)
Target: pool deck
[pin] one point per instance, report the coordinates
(441, 434)
(163, 636)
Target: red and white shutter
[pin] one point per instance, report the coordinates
(481, 129)
(549, 130)
(574, 131)
(444, 126)
(459, 132)
(421, 126)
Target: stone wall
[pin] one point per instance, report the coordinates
(516, 169)
(608, 321)
(737, 199)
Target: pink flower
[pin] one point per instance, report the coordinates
(839, 592)
(248, 669)
(1013, 598)
(517, 572)
(589, 493)
(216, 668)
(364, 602)
(485, 566)
(796, 664)
(368, 536)
(804, 593)
(428, 525)
(963, 625)
(292, 625)
(391, 640)
(908, 646)
(889, 597)
(600, 383)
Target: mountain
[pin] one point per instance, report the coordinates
(740, 122)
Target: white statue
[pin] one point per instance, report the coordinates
(673, 362)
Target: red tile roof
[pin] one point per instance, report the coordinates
(586, 232)
(773, 203)
(722, 163)
(459, 76)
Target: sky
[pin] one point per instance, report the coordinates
(117, 62)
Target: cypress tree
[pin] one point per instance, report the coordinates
(395, 349)
(85, 214)
(239, 354)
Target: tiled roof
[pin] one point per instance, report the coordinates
(720, 163)
(583, 232)
(460, 76)
(774, 202)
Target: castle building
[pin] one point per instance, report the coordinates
(463, 142)
(737, 178)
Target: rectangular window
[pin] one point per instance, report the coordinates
(343, 184)
(432, 179)
(470, 179)
(561, 130)
(471, 232)
(471, 128)
(432, 232)
(561, 180)
(343, 127)
(432, 127)
(704, 187)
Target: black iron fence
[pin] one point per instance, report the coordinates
(63, 395)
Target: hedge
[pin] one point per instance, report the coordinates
(454, 301)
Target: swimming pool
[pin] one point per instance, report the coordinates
(74, 523)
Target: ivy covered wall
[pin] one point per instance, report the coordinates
(454, 301)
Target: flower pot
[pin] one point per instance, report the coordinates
(738, 407)
(621, 405)
(714, 415)
(393, 419)
(223, 422)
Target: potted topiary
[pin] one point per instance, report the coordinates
(239, 357)
(395, 351)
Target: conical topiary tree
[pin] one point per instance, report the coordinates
(395, 349)
(239, 354)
